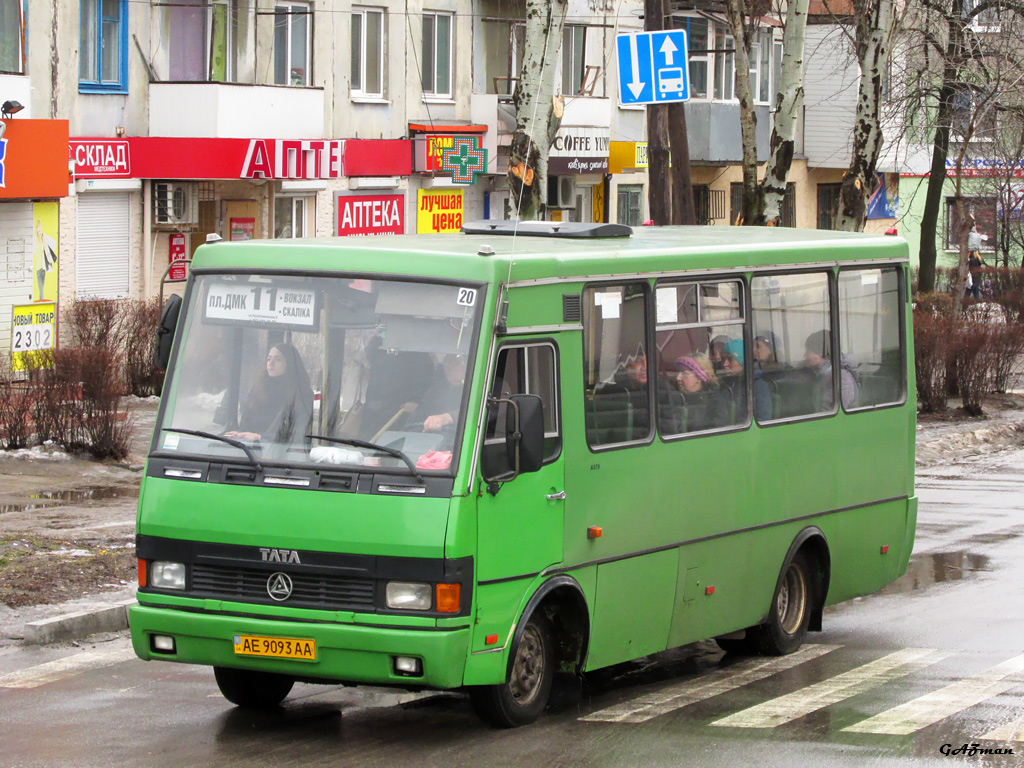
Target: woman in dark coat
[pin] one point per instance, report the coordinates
(279, 407)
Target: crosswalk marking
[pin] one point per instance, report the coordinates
(786, 708)
(940, 704)
(645, 708)
(52, 671)
(1011, 731)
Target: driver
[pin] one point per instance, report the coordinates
(443, 397)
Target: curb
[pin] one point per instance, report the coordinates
(74, 626)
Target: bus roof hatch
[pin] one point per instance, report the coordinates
(570, 229)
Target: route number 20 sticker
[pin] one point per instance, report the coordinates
(467, 297)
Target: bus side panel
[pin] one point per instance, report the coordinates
(634, 610)
(857, 538)
(497, 606)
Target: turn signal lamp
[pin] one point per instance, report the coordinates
(448, 596)
(143, 571)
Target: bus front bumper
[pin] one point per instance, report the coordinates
(350, 653)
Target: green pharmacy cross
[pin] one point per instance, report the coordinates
(464, 159)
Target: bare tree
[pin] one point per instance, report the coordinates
(873, 33)
(538, 110)
(788, 99)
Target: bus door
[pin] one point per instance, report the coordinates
(519, 527)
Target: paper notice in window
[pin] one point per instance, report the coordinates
(869, 278)
(609, 303)
(666, 301)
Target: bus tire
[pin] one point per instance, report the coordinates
(790, 612)
(521, 699)
(249, 689)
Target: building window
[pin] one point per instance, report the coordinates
(368, 52)
(12, 42)
(437, 54)
(697, 42)
(725, 64)
(762, 63)
(973, 114)
(204, 40)
(292, 216)
(789, 206)
(985, 21)
(828, 205)
(503, 55)
(630, 205)
(103, 42)
(708, 204)
(574, 38)
(291, 43)
(226, 37)
(983, 209)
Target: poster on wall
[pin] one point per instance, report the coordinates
(45, 231)
(177, 253)
(242, 229)
(439, 211)
(33, 329)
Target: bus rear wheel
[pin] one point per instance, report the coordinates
(521, 699)
(249, 689)
(790, 612)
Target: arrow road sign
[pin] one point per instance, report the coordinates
(653, 67)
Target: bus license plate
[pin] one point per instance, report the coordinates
(275, 647)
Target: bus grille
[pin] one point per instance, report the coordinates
(308, 590)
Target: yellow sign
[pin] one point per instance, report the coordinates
(45, 229)
(627, 156)
(33, 328)
(439, 211)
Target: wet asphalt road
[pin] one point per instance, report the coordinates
(935, 659)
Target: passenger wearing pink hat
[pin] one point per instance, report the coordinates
(690, 377)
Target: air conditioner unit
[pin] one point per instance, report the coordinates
(561, 192)
(175, 204)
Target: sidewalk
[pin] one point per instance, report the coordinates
(80, 515)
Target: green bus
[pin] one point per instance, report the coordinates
(482, 460)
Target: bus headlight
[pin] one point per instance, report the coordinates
(408, 596)
(167, 575)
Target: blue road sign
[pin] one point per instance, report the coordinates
(653, 67)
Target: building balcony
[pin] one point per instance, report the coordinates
(219, 110)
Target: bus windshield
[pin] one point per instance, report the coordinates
(318, 370)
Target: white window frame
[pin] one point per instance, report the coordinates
(291, 7)
(570, 66)
(978, 24)
(704, 58)
(359, 90)
(432, 59)
(301, 208)
(17, 11)
(230, 18)
(724, 81)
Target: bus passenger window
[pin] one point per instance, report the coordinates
(869, 333)
(793, 366)
(701, 357)
(616, 368)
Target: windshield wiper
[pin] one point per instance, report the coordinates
(373, 447)
(236, 443)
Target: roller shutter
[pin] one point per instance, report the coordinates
(103, 251)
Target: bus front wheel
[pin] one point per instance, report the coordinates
(252, 690)
(790, 612)
(521, 699)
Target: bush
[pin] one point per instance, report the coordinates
(932, 331)
(56, 389)
(972, 358)
(15, 408)
(139, 324)
(1007, 346)
(106, 426)
(96, 323)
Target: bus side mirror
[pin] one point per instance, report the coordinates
(165, 331)
(524, 434)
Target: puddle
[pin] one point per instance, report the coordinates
(72, 496)
(935, 568)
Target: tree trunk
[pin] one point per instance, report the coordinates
(940, 150)
(659, 189)
(537, 111)
(736, 12)
(683, 211)
(873, 36)
(787, 103)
